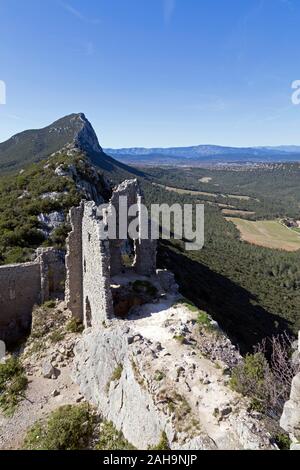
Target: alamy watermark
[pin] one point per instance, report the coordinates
(2, 92)
(180, 222)
(296, 94)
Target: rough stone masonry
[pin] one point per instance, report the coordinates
(92, 261)
(24, 285)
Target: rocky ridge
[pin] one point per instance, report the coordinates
(148, 375)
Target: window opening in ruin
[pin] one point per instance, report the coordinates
(84, 265)
(128, 253)
(88, 313)
(89, 237)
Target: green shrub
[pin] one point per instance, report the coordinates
(58, 236)
(117, 373)
(249, 379)
(111, 439)
(13, 383)
(18, 255)
(56, 336)
(180, 339)
(49, 304)
(21, 203)
(144, 287)
(69, 428)
(204, 321)
(159, 375)
(283, 441)
(188, 304)
(163, 443)
(75, 326)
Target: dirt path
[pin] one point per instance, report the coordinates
(39, 402)
(43, 395)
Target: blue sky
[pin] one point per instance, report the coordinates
(154, 72)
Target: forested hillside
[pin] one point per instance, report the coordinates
(270, 190)
(252, 291)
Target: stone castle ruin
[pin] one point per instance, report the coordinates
(90, 266)
(104, 279)
(92, 262)
(24, 285)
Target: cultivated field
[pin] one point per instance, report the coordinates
(236, 212)
(193, 192)
(268, 233)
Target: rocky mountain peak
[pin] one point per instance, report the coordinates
(33, 145)
(86, 138)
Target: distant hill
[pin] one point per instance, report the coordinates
(31, 146)
(204, 154)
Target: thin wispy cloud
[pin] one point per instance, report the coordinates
(78, 14)
(169, 8)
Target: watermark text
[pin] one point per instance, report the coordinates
(2, 92)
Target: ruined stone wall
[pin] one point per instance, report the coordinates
(145, 257)
(145, 249)
(91, 261)
(73, 291)
(53, 272)
(24, 285)
(20, 289)
(97, 297)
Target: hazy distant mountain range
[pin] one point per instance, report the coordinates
(205, 154)
(34, 145)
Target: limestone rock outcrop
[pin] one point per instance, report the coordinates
(147, 379)
(86, 137)
(290, 419)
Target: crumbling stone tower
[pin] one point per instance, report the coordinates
(92, 261)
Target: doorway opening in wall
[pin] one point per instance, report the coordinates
(88, 313)
(128, 253)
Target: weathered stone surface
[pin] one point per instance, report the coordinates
(74, 281)
(295, 446)
(145, 248)
(167, 280)
(86, 137)
(52, 220)
(52, 270)
(290, 419)
(123, 401)
(20, 289)
(48, 371)
(149, 396)
(97, 297)
(24, 285)
(92, 261)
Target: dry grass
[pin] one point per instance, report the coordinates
(268, 233)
